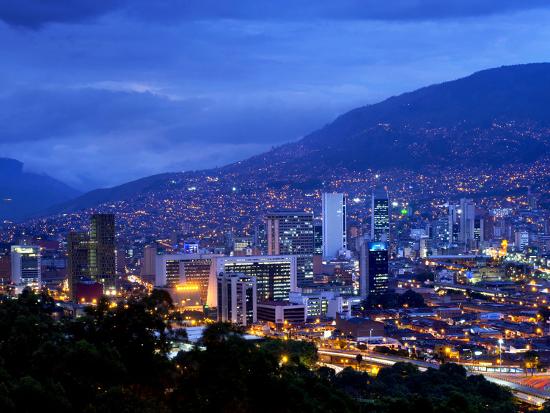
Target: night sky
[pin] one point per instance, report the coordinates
(97, 93)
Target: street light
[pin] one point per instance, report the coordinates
(500, 341)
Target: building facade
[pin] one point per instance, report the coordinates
(334, 224)
(237, 300)
(292, 233)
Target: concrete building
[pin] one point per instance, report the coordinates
(189, 273)
(292, 233)
(280, 312)
(237, 300)
(334, 224)
(25, 265)
(374, 268)
(101, 252)
(380, 216)
(276, 276)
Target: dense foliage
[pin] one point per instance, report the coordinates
(409, 298)
(114, 359)
(403, 388)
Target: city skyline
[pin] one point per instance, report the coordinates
(329, 206)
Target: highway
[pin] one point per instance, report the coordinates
(527, 394)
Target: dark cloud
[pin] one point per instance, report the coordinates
(35, 13)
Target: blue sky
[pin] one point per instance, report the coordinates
(98, 93)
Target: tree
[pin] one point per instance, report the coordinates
(358, 359)
(531, 361)
(411, 299)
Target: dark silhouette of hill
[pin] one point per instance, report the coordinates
(24, 194)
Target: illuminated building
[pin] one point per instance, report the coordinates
(25, 265)
(186, 272)
(237, 298)
(321, 303)
(334, 224)
(275, 275)
(454, 223)
(101, 253)
(380, 218)
(374, 271)
(440, 231)
(318, 238)
(521, 239)
(291, 233)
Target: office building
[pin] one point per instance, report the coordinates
(374, 270)
(101, 252)
(380, 216)
(334, 225)
(25, 265)
(190, 273)
(280, 313)
(454, 216)
(275, 275)
(318, 238)
(321, 304)
(467, 222)
(291, 233)
(236, 298)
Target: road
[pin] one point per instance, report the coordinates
(530, 395)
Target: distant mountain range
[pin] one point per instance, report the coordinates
(490, 119)
(24, 194)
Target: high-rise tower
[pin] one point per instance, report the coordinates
(334, 224)
(380, 218)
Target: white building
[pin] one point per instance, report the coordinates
(189, 273)
(275, 274)
(25, 265)
(322, 303)
(334, 225)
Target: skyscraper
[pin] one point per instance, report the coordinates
(291, 233)
(318, 238)
(237, 301)
(374, 270)
(334, 224)
(380, 218)
(275, 275)
(77, 259)
(454, 216)
(101, 253)
(467, 221)
(25, 265)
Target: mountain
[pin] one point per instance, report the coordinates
(485, 123)
(23, 194)
(490, 118)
